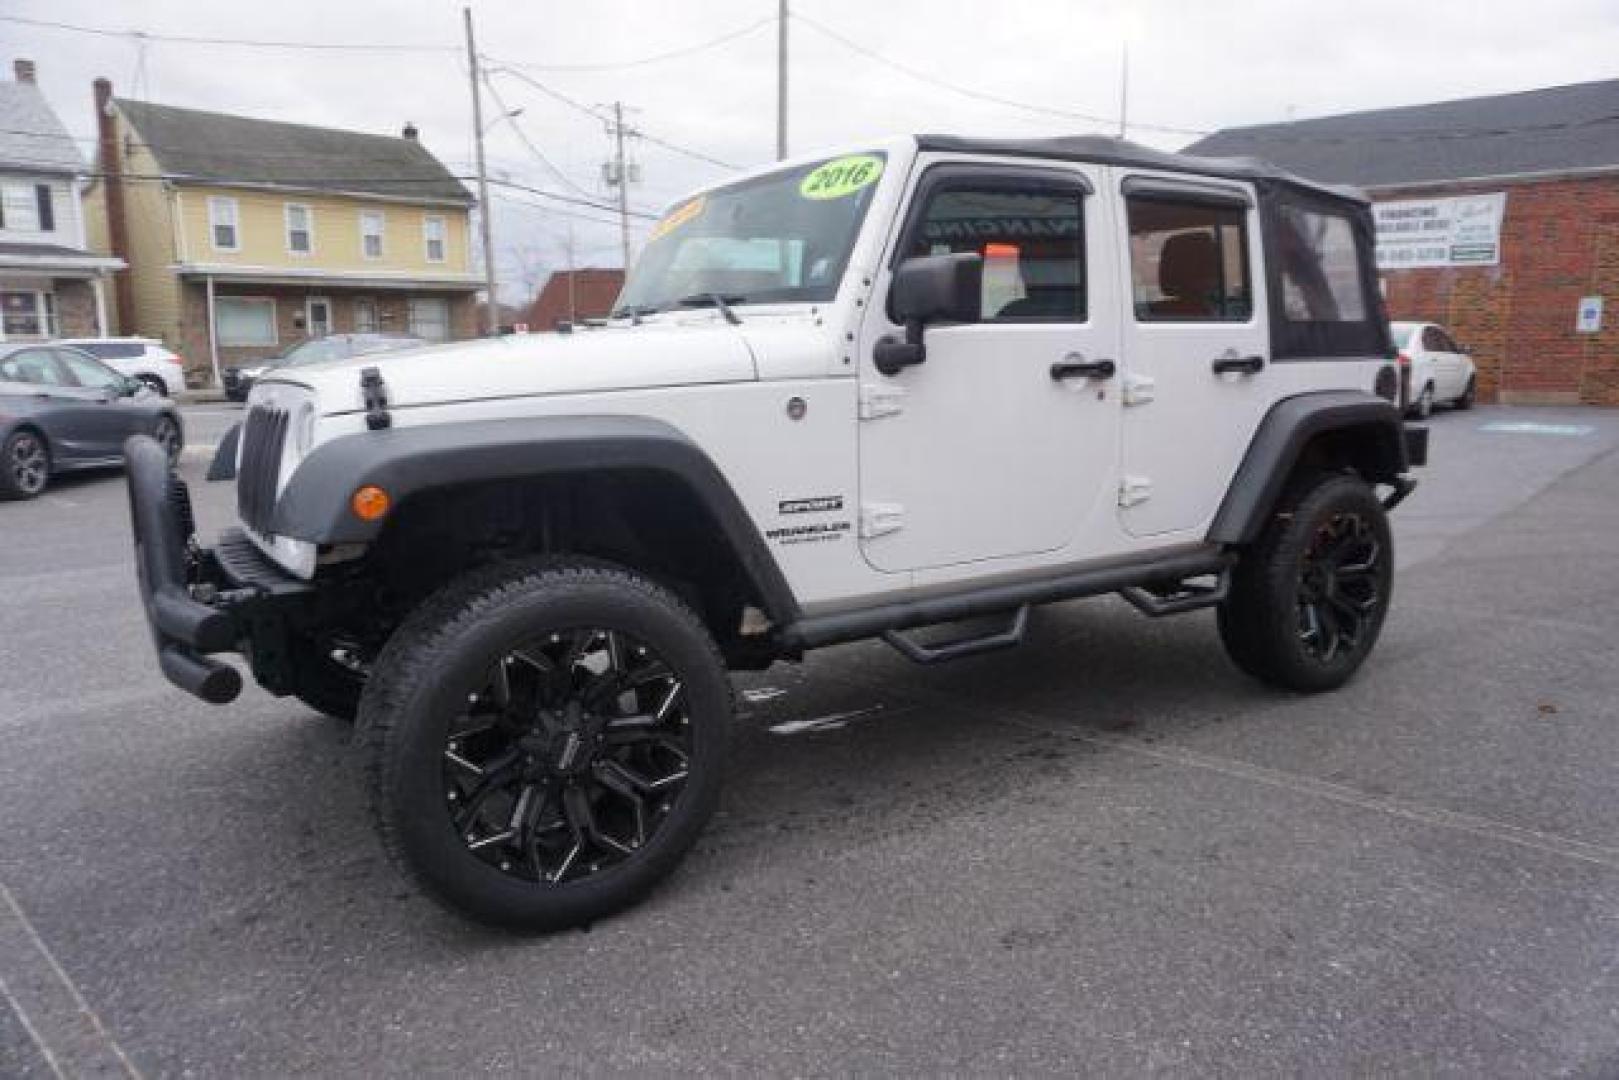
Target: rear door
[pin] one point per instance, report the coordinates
(107, 415)
(1195, 347)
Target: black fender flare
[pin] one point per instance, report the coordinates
(409, 460)
(1280, 440)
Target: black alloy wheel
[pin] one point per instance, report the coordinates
(1339, 586)
(569, 757)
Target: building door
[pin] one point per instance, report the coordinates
(317, 316)
(430, 317)
(1195, 349)
(999, 444)
(365, 315)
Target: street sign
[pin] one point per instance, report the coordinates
(1589, 319)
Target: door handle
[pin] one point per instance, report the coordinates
(1083, 369)
(1239, 365)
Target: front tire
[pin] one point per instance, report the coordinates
(1422, 408)
(25, 465)
(1470, 395)
(1307, 601)
(544, 742)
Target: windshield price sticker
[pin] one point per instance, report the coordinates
(841, 176)
(678, 217)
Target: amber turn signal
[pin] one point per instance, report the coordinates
(369, 503)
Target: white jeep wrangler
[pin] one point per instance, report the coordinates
(853, 396)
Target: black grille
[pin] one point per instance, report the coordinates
(262, 438)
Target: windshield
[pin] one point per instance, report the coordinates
(785, 236)
(315, 350)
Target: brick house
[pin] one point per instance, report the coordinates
(1545, 164)
(571, 295)
(51, 284)
(245, 237)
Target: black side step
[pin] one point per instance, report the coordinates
(918, 653)
(1172, 598)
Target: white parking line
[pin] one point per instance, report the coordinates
(70, 1036)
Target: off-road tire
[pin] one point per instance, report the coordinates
(419, 687)
(25, 465)
(1263, 621)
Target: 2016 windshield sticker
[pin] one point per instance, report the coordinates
(678, 217)
(841, 176)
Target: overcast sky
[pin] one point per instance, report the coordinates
(1193, 65)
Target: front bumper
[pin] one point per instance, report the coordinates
(197, 600)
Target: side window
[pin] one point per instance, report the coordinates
(1032, 238)
(1189, 260)
(34, 366)
(1433, 340)
(1320, 272)
(88, 373)
(1449, 342)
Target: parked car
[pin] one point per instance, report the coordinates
(1439, 371)
(62, 409)
(972, 376)
(146, 359)
(239, 380)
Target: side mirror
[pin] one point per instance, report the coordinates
(927, 289)
(131, 386)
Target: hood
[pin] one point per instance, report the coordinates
(666, 353)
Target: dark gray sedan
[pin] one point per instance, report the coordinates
(62, 409)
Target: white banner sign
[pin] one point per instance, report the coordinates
(1460, 231)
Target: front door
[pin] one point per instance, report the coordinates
(1196, 348)
(318, 316)
(987, 449)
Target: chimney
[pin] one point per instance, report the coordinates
(24, 70)
(409, 131)
(110, 165)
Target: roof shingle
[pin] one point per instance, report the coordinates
(238, 149)
(31, 135)
(1559, 129)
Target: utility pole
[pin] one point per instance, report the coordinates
(781, 81)
(623, 182)
(491, 315)
(573, 306)
(1124, 90)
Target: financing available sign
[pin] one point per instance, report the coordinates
(1461, 231)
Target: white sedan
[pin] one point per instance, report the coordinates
(1441, 372)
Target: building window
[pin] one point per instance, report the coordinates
(27, 314)
(222, 224)
(245, 320)
(433, 238)
(365, 315)
(300, 229)
(371, 233)
(19, 208)
(430, 318)
(47, 212)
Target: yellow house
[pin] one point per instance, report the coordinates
(245, 237)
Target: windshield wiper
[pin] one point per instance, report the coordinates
(715, 300)
(633, 312)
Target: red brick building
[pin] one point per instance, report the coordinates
(1513, 296)
(571, 295)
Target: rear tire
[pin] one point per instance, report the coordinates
(1307, 601)
(25, 465)
(1470, 395)
(544, 742)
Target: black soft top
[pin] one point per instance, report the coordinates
(1104, 150)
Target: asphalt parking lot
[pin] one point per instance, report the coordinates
(1103, 853)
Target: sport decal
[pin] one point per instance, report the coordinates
(678, 217)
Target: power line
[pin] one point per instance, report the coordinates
(604, 117)
(522, 137)
(979, 95)
(656, 58)
(185, 39)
